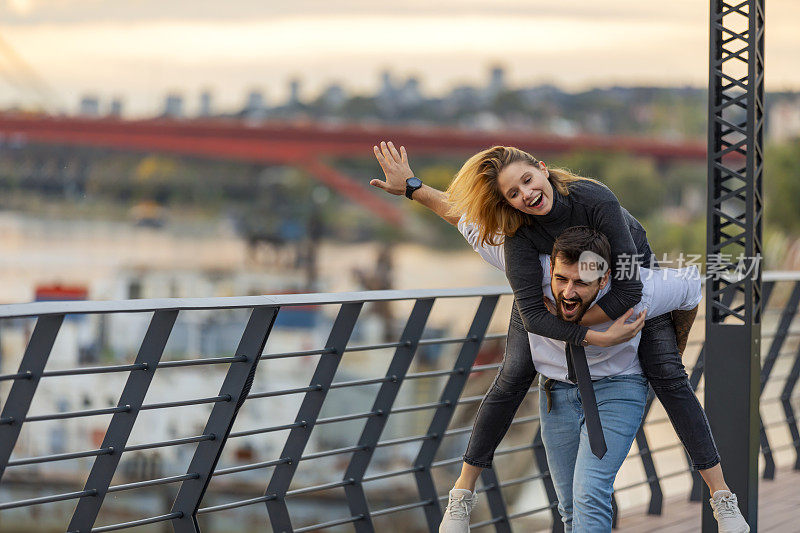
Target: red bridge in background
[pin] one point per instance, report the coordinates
(310, 145)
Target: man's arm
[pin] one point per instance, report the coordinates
(397, 170)
(682, 321)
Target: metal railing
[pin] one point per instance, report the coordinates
(418, 503)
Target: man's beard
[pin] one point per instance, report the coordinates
(578, 312)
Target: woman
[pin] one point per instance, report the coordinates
(511, 196)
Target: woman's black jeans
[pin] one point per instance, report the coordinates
(661, 364)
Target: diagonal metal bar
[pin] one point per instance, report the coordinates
(738, 54)
(121, 425)
(540, 456)
(734, 193)
(734, 83)
(786, 402)
(494, 497)
(738, 101)
(737, 147)
(787, 315)
(656, 495)
(403, 355)
(696, 493)
(19, 398)
(237, 385)
(738, 83)
(307, 414)
(443, 414)
(732, 9)
(730, 174)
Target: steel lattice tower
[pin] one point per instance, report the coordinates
(733, 290)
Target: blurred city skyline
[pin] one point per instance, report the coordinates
(139, 51)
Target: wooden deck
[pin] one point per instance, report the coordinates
(778, 510)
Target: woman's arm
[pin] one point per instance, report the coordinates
(525, 274)
(397, 170)
(626, 287)
(619, 331)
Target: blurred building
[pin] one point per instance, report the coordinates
(205, 104)
(464, 97)
(387, 90)
(255, 106)
(410, 95)
(294, 92)
(333, 97)
(115, 108)
(173, 105)
(497, 83)
(89, 106)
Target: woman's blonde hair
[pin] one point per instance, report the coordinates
(474, 192)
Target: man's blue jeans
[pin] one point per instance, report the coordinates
(584, 483)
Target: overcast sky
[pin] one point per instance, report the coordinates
(139, 50)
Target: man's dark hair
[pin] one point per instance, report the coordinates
(578, 239)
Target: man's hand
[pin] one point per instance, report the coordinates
(395, 167)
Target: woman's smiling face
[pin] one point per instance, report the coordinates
(526, 188)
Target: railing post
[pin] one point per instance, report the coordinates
(307, 414)
(121, 425)
(404, 354)
(787, 316)
(786, 401)
(22, 391)
(650, 472)
(540, 456)
(442, 415)
(237, 385)
(494, 497)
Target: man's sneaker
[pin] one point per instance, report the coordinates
(456, 516)
(726, 511)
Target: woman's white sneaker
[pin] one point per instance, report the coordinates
(456, 516)
(726, 511)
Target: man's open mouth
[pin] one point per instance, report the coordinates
(569, 306)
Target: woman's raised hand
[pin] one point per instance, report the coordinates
(395, 167)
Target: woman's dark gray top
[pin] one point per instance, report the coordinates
(590, 204)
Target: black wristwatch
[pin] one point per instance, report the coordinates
(412, 184)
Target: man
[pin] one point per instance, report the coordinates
(584, 481)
